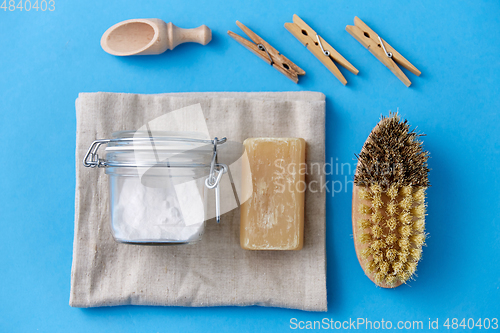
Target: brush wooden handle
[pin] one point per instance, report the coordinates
(150, 36)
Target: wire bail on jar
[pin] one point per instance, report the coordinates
(216, 172)
(91, 159)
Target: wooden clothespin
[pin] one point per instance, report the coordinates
(268, 53)
(319, 47)
(382, 50)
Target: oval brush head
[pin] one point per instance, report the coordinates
(388, 204)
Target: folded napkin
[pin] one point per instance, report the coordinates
(214, 271)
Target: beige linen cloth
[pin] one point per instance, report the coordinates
(214, 271)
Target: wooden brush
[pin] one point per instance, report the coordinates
(388, 203)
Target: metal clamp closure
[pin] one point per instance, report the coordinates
(91, 159)
(216, 172)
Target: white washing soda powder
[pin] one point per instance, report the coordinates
(166, 213)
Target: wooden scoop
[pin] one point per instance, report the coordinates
(150, 36)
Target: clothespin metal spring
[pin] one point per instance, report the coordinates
(388, 54)
(325, 52)
(263, 48)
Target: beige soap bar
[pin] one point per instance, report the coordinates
(273, 217)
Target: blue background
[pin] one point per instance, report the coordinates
(47, 58)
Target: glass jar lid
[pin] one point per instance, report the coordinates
(166, 149)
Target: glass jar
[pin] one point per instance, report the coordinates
(158, 184)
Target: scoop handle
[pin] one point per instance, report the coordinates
(201, 35)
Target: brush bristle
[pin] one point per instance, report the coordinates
(393, 156)
(393, 177)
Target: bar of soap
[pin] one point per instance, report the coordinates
(273, 217)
